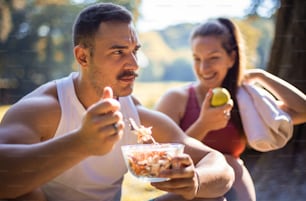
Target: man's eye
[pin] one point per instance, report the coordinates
(196, 59)
(135, 51)
(118, 52)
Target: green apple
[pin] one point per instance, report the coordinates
(220, 97)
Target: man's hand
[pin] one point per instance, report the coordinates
(183, 178)
(102, 124)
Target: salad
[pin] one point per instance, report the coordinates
(146, 161)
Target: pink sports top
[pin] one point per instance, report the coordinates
(226, 140)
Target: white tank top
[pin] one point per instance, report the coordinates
(97, 178)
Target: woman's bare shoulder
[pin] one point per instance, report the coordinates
(175, 95)
(173, 103)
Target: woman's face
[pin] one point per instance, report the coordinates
(211, 61)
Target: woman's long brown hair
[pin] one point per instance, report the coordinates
(232, 41)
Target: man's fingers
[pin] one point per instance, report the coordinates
(182, 166)
(107, 93)
(109, 104)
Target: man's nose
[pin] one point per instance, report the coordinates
(133, 62)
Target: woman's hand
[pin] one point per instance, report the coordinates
(253, 75)
(214, 118)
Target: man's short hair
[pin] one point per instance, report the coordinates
(87, 22)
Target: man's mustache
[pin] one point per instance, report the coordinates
(127, 73)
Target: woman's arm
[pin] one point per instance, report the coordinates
(215, 175)
(292, 100)
(173, 104)
(210, 118)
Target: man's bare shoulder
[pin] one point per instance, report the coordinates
(37, 114)
(41, 99)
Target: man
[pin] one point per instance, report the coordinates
(62, 141)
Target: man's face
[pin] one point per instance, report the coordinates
(114, 61)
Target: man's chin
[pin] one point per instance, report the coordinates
(125, 92)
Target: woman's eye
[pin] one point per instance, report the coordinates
(214, 58)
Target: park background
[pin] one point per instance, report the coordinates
(35, 47)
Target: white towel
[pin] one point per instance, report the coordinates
(266, 126)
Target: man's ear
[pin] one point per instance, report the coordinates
(81, 55)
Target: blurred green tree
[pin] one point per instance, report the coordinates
(35, 42)
(180, 69)
(280, 174)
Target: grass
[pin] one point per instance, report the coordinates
(149, 93)
(3, 109)
(134, 189)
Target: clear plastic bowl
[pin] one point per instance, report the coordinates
(145, 161)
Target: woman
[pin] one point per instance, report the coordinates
(217, 49)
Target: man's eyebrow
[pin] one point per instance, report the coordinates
(124, 47)
(118, 47)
